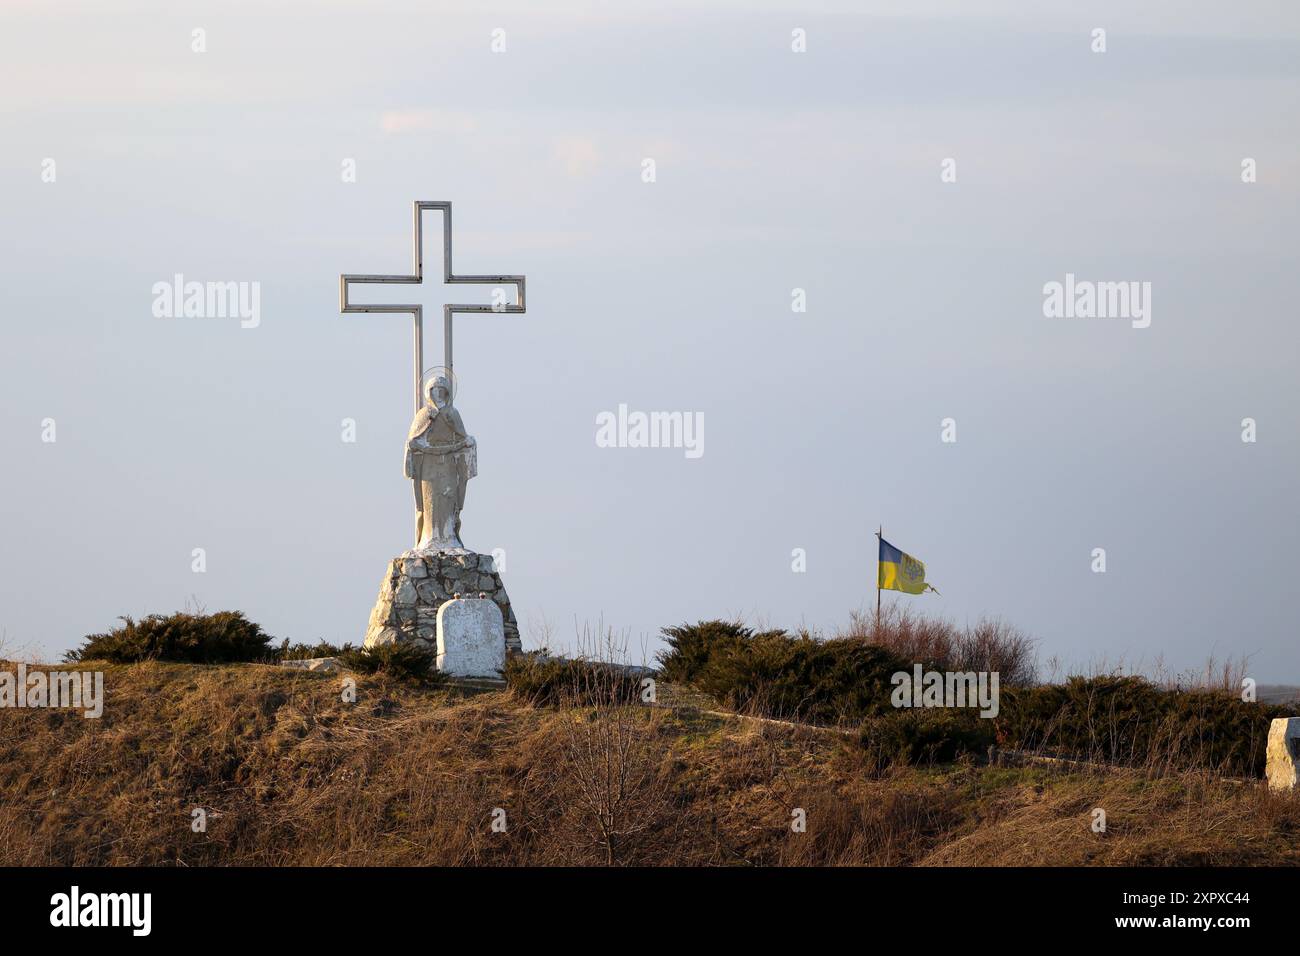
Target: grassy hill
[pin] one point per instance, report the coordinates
(288, 773)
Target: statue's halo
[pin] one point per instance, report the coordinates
(433, 372)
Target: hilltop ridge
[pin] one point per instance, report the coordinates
(286, 772)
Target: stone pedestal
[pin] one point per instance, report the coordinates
(418, 583)
(1283, 768)
(471, 638)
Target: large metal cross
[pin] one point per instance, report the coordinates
(418, 311)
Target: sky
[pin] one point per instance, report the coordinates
(130, 157)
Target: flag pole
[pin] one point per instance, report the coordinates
(880, 537)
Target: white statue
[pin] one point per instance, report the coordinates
(440, 459)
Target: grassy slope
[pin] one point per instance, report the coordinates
(289, 774)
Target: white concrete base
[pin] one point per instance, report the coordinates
(471, 638)
(1283, 767)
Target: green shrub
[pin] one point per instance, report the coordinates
(305, 652)
(553, 681)
(406, 661)
(222, 637)
(1122, 720)
(925, 735)
(1128, 720)
(691, 645)
(801, 678)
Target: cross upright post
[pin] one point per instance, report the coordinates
(416, 311)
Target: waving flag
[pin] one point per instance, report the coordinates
(900, 572)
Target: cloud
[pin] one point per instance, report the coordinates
(579, 155)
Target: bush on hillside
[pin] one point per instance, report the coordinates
(1128, 720)
(691, 646)
(1111, 719)
(777, 674)
(925, 736)
(218, 638)
(306, 652)
(405, 661)
(798, 677)
(555, 681)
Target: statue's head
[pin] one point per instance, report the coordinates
(438, 392)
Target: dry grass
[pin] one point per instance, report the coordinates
(1191, 819)
(290, 774)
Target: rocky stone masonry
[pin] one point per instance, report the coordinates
(417, 583)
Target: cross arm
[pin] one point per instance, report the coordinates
(448, 277)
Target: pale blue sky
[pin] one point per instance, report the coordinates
(775, 170)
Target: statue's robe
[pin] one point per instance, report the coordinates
(440, 473)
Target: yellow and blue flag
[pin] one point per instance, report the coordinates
(901, 572)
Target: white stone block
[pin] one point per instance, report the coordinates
(471, 638)
(1283, 767)
(313, 664)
